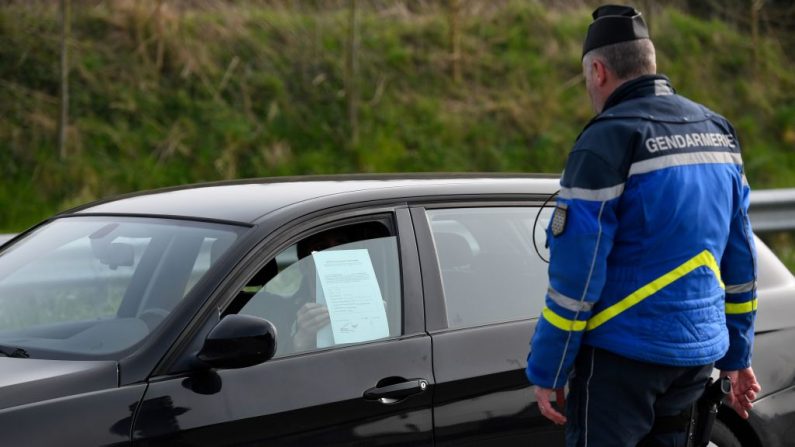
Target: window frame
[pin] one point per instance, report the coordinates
(236, 305)
(180, 356)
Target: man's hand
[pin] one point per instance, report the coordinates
(311, 317)
(744, 390)
(543, 396)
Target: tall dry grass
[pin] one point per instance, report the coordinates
(168, 92)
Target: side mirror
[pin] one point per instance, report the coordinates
(238, 341)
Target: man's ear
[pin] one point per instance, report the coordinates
(599, 72)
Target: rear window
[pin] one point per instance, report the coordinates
(491, 271)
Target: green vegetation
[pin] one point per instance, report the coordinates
(164, 94)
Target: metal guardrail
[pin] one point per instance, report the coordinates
(771, 210)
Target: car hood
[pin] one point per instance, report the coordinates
(25, 381)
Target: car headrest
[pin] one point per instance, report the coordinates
(453, 250)
(264, 275)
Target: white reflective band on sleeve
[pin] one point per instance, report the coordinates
(741, 288)
(568, 303)
(598, 195)
(692, 158)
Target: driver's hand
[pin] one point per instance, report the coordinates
(311, 317)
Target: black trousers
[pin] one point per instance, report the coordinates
(613, 400)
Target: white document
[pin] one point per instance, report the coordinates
(351, 293)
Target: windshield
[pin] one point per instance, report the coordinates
(89, 287)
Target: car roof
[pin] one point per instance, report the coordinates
(245, 201)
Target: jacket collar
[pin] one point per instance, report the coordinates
(647, 85)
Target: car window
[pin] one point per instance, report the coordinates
(336, 287)
(95, 286)
(490, 269)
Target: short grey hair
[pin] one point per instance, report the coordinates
(627, 60)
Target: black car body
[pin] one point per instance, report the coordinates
(452, 261)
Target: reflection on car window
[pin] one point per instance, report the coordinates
(94, 286)
(490, 269)
(339, 286)
(782, 243)
(774, 270)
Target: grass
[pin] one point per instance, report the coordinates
(163, 94)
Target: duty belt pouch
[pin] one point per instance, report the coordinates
(707, 410)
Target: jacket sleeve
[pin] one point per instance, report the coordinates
(738, 271)
(580, 235)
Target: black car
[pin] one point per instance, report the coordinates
(305, 312)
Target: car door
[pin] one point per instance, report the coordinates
(484, 288)
(320, 390)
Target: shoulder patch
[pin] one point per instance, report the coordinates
(558, 225)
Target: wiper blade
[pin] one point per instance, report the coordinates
(14, 352)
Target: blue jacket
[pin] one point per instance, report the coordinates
(652, 255)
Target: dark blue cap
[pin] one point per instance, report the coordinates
(614, 24)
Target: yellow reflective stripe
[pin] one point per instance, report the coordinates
(561, 323)
(703, 259)
(741, 308)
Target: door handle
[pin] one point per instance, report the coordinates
(390, 394)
